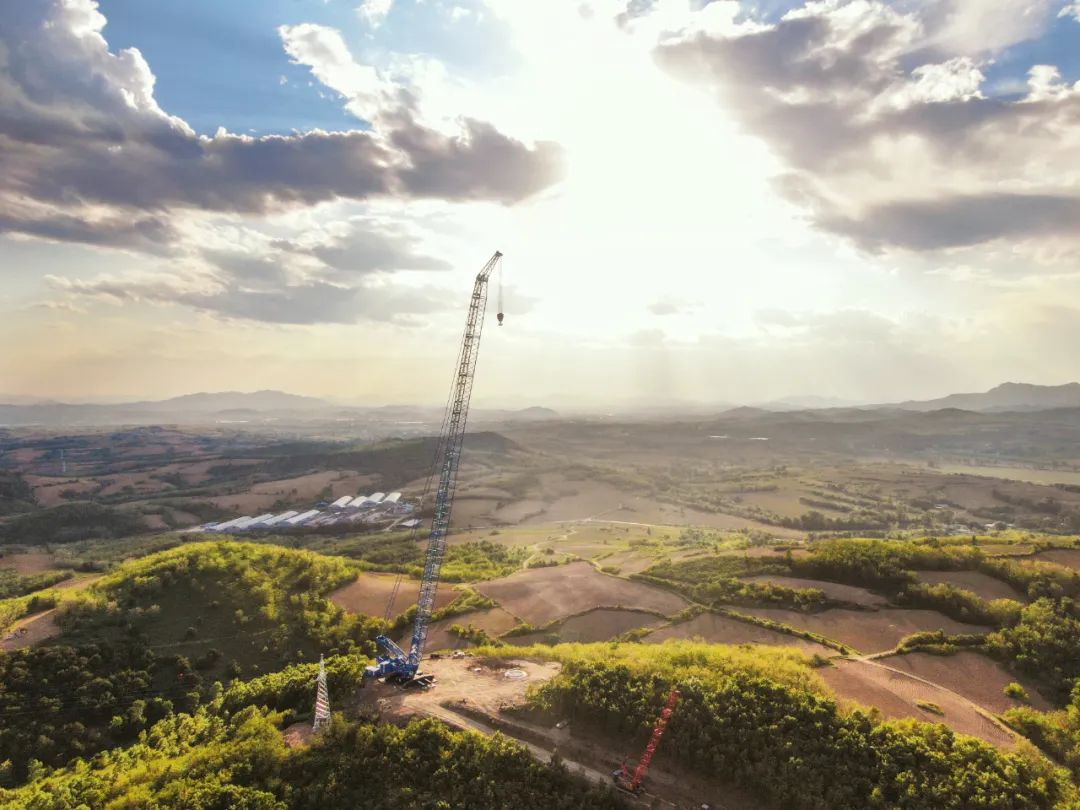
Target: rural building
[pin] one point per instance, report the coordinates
(279, 518)
(341, 502)
(303, 517)
(393, 497)
(257, 521)
(229, 524)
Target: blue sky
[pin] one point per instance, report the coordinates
(743, 209)
(1059, 46)
(221, 62)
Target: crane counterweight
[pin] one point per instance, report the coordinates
(395, 663)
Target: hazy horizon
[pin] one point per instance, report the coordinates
(698, 202)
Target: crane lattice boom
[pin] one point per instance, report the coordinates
(632, 782)
(397, 662)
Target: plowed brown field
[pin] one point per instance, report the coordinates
(596, 625)
(977, 582)
(896, 694)
(370, 593)
(833, 590)
(540, 595)
(494, 622)
(719, 629)
(976, 677)
(866, 631)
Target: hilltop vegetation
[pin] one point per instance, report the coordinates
(754, 727)
(69, 523)
(212, 761)
(1057, 733)
(16, 495)
(156, 634)
(403, 553)
(743, 714)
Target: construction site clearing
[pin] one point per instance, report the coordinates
(480, 694)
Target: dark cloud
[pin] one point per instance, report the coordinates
(957, 221)
(149, 234)
(841, 103)
(367, 247)
(311, 302)
(79, 127)
(318, 302)
(326, 276)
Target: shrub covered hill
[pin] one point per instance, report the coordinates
(171, 679)
(154, 636)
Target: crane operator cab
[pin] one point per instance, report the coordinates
(500, 317)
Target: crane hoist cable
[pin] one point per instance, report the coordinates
(499, 312)
(388, 613)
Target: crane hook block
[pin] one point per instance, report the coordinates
(500, 317)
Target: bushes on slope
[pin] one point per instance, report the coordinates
(797, 747)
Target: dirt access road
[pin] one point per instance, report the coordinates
(471, 694)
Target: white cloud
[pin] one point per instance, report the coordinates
(375, 12)
(959, 79)
(978, 26)
(324, 51)
(84, 135)
(1071, 10)
(1045, 84)
(888, 146)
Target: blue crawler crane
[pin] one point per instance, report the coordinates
(396, 665)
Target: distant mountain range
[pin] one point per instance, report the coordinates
(1005, 397)
(233, 406)
(263, 406)
(233, 400)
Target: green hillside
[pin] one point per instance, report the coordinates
(756, 718)
(156, 634)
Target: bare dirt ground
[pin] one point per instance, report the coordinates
(77, 582)
(978, 583)
(458, 682)
(718, 629)
(978, 678)
(370, 594)
(298, 734)
(29, 563)
(897, 694)
(867, 631)
(37, 628)
(833, 590)
(540, 595)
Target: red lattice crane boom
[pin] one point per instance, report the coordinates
(632, 781)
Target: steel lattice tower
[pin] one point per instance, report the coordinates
(322, 699)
